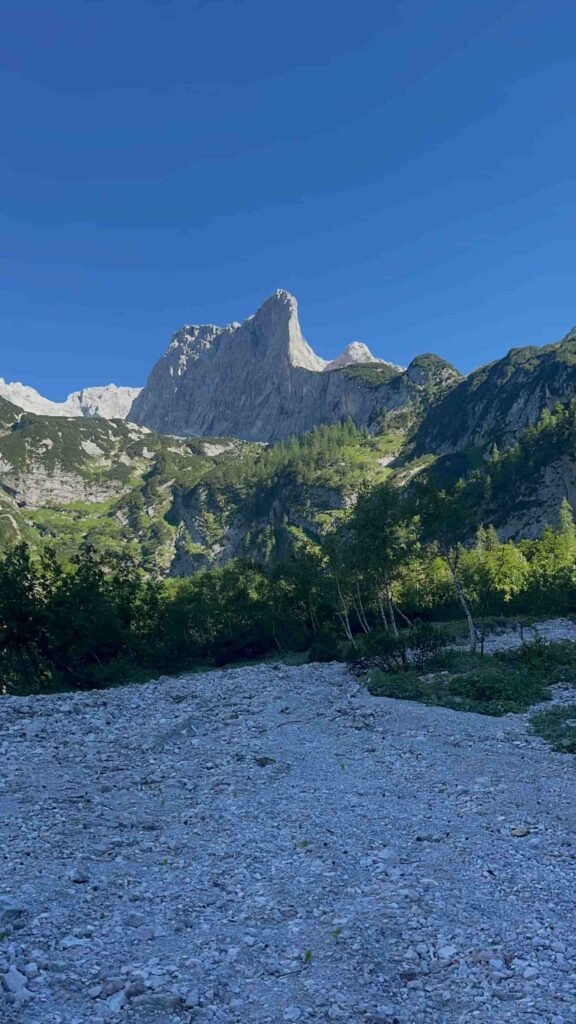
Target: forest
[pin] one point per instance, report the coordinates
(402, 561)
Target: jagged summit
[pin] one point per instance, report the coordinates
(272, 335)
(276, 324)
(107, 402)
(260, 380)
(357, 353)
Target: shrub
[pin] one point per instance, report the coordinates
(549, 662)
(383, 651)
(327, 646)
(557, 726)
(485, 685)
(423, 642)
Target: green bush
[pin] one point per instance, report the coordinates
(423, 642)
(454, 661)
(378, 649)
(328, 646)
(485, 685)
(548, 662)
(381, 650)
(557, 726)
(497, 689)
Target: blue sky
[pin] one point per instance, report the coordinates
(406, 168)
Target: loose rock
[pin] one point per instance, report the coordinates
(154, 870)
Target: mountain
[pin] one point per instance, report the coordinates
(108, 402)
(67, 480)
(180, 503)
(354, 353)
(176, 504)
(495, 403)
(261, 381)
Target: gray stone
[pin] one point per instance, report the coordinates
(260, 380)
(15, 983)
(108, 402)
(352, 918)
(158, 1001)
(13, 915)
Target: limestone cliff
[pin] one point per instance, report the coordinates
(261, 381)
(107, 402)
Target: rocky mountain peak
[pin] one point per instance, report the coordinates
(354, 353)
(261, 381)
(107, 402)
(429, 367)
(277, 329)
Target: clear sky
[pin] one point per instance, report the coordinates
(405, 167)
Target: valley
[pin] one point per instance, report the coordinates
(208, 488)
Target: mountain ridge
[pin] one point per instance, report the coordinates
(261, 381)
(110, 401)
(182, 503)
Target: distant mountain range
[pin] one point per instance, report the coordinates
(109, 402)
(261, 381)
(177, 472)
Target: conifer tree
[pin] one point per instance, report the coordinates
(566, 526)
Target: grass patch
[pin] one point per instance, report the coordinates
(496, 684)
(558, 727)
(486, 690)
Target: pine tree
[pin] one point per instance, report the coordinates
(566, 526)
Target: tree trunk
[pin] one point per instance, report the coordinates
(274, 637)
(343, 613)
(391, 613)
(361, 612)
(462, 599)
(343, 616)
(381, 606)
(363, 627)
(312, 613)
(402, 616)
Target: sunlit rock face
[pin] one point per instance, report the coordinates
(109, 402)
(259, 380)
(357, 353)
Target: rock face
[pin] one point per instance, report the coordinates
(355, 353)
(50, 462)
(261, 381)
(108, 402)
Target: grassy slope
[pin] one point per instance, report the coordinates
(156, 495)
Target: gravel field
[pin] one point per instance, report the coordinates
(270, 844)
